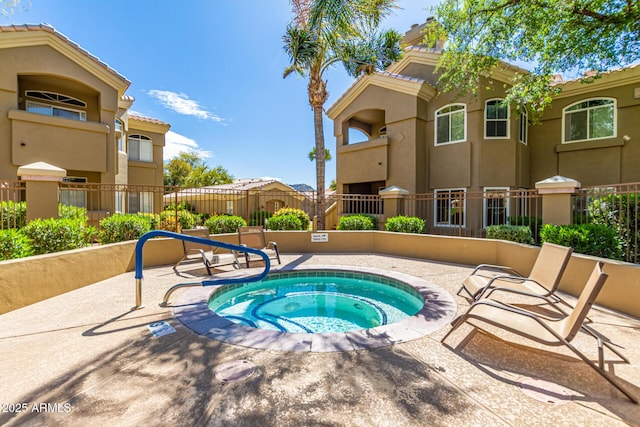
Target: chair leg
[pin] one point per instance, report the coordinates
(455, 325)
(606, 375)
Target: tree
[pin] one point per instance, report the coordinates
(189, 170)
(7, 7)
(569, 37)
(312, 154)
(326, 32)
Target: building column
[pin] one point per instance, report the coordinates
(42, 189)
(556, 199)
(393, 200)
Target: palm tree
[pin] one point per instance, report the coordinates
(325, 32)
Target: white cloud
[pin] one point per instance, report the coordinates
(181, 104)
(176, 143)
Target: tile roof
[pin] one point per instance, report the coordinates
(147, 119)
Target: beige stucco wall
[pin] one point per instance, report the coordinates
(596, 162)
(33, 279)
(26, 137)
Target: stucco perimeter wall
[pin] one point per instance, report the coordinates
(29, 280)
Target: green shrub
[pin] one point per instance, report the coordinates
(259, 217)
(533, 222)
(589, 239)
(619, 211)
(14, 244)
(153, 219)
(405, 224)
(356, 222)
(512, 233)
(123, 227)
(284, 222)
(58, 234)
(73, 212)
(13, 214)
(302, 216)
(168, 220)
(220, 224)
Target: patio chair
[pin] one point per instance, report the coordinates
(253, 237)
(209, 255)
(542, 329)
(543, 281)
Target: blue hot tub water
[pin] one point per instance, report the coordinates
(317, 302)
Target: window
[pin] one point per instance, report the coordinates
(496, 119)
(56, 97)
(74, 196)
(523, 134)
(119, 202)
(140, 148)
(451, 124)
(590, 119)
(53, 110)
(119, 135)
(496, 206)
(229, 207)
(449, 208)
(141, 202)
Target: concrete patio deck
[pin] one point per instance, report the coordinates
(83, 358)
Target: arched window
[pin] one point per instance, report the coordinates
(589, 119)
(496, 119)
(67, 109)
(451, 124)
(140, 148)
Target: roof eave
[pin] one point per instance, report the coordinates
(420, 89)
(44, 35)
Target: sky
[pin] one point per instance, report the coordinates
(213, 70)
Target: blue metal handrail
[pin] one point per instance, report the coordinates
(204, 241)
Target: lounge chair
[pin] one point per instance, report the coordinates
(209, 255)
(253, 237)
(543, 280)
(542, 329)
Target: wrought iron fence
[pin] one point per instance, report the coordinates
(12, 206)
(469, 213)
(616, 206)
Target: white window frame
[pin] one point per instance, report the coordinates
(55, 97)
(120, 198)
(120, 136)
(82, 115)
(140, 140)
(485, 206)
(523, 127)
(435, 207)
(143, 202)
(565, 112)
(498, 102)
(448, 114)
(77, 196)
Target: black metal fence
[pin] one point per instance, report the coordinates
(616, 206)
(455, 212)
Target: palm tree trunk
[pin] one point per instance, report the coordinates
(320, 165)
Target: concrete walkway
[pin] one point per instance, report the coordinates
(83, 358)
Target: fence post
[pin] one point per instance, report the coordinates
(556, 199)
(393, 201)
(41, 189)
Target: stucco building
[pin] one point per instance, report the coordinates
(61, 105)
(395, 128)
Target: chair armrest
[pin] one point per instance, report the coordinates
(494, 267)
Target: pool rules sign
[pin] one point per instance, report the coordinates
(319, 237)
